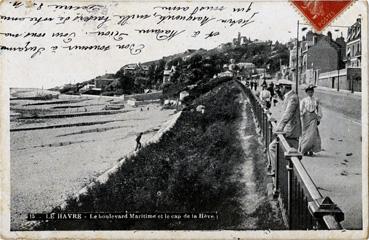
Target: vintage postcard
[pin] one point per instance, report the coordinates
(184, 119)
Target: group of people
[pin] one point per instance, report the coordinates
(299, 120)
(253, 84)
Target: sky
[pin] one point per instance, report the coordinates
(273, 21)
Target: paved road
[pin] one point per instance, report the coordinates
(337, 171)
(337, 175)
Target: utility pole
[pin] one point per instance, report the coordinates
(297, 58)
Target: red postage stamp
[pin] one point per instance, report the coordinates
(321, 13)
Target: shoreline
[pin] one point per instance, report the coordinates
(71, 157)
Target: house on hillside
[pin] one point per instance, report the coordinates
(102, 81)
(168, 73)
(225, 74)
(129, 68)
(183, 94)
(246, 67)
(135, 68)
(143, 69)
(86, 88)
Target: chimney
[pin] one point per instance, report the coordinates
(329, 35)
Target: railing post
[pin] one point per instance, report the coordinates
(276, 167)
(327, 212)
(270, 132)
(262, 122)
(266, 130)
(289, 191)
(289, 167)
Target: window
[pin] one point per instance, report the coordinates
(353, 50)
(359, 48)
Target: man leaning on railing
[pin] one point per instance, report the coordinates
(290, 123)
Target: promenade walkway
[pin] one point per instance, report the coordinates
(337, 170)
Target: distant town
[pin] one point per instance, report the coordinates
(243, 59)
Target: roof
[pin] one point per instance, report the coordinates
(106, 75)
(130, 66)
(354, 32)
(106, 79)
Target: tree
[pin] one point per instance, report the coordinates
(126, 83)
(158, 72)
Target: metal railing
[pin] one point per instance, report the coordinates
(302, 205)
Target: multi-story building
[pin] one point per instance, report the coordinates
(327, 62)
(353, 46)
(318, 54)
(348, 78)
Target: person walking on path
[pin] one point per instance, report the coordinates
(265, 96)
(138, 141)
(290, 122)
(311, 115)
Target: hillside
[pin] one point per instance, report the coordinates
(189, 67)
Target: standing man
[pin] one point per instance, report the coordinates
(290, 122)
(138, 141)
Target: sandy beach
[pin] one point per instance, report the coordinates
(63, 154)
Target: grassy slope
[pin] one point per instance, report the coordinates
(189, 170)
